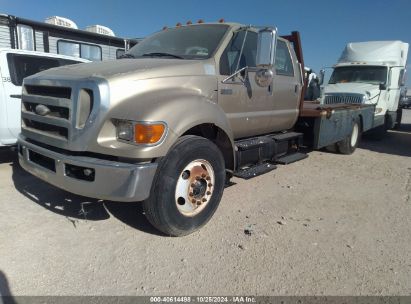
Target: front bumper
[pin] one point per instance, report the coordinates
(111, 180)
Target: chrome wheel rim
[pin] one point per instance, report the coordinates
(354, 135)
(194, 187)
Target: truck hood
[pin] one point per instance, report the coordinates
(356, 88)
(140, 68)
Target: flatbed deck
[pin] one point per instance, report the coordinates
(315, 109)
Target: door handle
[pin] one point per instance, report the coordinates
(296, 88)
(15, 96)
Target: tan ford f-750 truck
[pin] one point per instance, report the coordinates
(187, 108)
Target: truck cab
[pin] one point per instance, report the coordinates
(370, 72)
(15, 65)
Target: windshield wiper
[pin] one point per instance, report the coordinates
(161, 55)
(127, 55)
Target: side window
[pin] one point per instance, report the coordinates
(68, 48)
(21, 66)
(26, 37)
(283, 62)
(120, 52)
(76, 49)
(231, 56)
(90, 52)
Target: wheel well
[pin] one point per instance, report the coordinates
(217, 136)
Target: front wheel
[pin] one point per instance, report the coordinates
(350, 143)
(187, 188)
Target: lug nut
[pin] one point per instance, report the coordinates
(204, 200)
(198, 203)
(203, 175)
(191, 194)
(210, 184)
(193, 201)
(198, 177)
(208, 178)
(193, 185)
(208, 192)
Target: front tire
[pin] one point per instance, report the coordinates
(350, 143)
(187, 188)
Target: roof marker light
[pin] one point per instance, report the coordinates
(221, 20)
(178, 24)
(200, 21)
(189, 22)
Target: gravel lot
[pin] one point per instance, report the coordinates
(330, 224)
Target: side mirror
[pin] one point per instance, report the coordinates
(321, 77)
(266, 48)
(383, 86)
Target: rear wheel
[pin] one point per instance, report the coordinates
(187, 188)
(350, 143)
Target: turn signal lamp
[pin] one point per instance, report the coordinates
(148, 133)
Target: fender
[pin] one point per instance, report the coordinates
(179, 103)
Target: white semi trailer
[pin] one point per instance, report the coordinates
(371, 72)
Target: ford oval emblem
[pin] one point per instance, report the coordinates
(42, 110)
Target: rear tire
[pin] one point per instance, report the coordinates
(187, 188)
(350, 143)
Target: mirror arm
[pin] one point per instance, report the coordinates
(235, 74)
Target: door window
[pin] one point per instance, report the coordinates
(26, 37)
(231, 58)
(21, 66)
(283, 62)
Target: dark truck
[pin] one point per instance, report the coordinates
(188, 108)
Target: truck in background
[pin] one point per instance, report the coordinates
(61, 36)
(15, 65)
(371, 72)
(185, 110)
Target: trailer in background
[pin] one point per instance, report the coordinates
(61, 36)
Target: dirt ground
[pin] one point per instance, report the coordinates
(330, 224)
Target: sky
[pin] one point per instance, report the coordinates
(325, 26)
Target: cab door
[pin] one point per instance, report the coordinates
(248, 106)
(287, 85)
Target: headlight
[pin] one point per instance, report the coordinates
(125, 130)
(148, 133)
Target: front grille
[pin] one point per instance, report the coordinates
(46, 112)
(343, 98)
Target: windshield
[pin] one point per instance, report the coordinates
(186, 42)
(361, 74)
